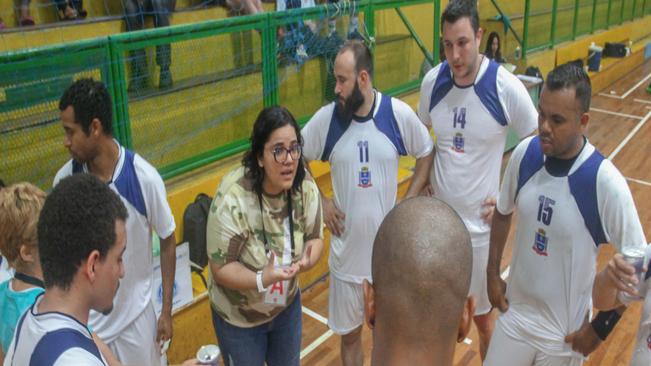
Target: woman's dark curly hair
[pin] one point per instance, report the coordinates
(269, 120)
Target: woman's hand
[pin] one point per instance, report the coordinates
(272, 274)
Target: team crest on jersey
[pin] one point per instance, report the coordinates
(364, 178)
(540, 243)
(458, 142)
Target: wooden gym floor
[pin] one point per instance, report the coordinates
(619, 129)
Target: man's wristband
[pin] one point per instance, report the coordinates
(258, 281)
(604, 323)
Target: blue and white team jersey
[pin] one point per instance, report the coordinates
(471, 125)
(363, 158)
(143, 193)
(51, 339)
(642, 350)
(566, 209)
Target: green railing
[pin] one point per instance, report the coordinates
(229, 70)
(535, 25)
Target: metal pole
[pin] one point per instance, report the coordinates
(552, 35)
(594, 16)
(621, 12)
(269, 64)
(575, 22)
(525, 35)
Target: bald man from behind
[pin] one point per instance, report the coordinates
(418, 306)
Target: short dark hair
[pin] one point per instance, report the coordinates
(572, 76)
(269, 120)
(457, 9)
(78, 217)
(361, 54)
(89, 99)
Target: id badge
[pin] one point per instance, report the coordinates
(276, 294)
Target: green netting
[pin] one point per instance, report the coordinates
(396, 51)
(31, 137)
(584, 17)
(601, 15)
(564, 20)
(223, 72)
(629, 7)
(615, 12)
(542, 24)
(214, 99)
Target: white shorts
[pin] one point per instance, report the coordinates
(506, 351)
(136, 344)
(641, 354)
(345, 306)
(478, 281)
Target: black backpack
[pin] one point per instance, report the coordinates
(615, 50)
(195, 219)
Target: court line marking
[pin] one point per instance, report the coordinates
(623, 96)
(315, 315)
(641, 100)
(317, 342)
(630, 136)
(639, 181)
(324, 337)
(632, 116)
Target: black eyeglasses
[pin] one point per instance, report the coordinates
(280, 153)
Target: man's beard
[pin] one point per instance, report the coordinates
(350, 105)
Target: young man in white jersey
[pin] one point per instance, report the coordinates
(417, 319)
(570, 200)
(131, 330)
(81, 240)
(471, 102)
(362, 135)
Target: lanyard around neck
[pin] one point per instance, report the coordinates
(29, 279)
(267, 248)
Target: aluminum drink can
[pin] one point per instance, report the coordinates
(208, 355)
(637, 260)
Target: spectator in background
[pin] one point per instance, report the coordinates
(134, 12)
(245, 6)
(20, 205)
(494, 48)
(70, 9)
(25, 17)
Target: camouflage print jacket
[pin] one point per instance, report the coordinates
(234, 233)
